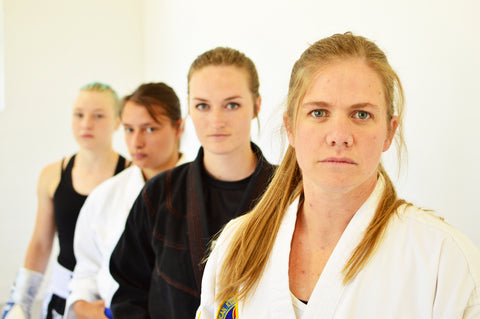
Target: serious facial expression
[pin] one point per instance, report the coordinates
(342, 127)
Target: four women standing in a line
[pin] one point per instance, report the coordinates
(328, 239)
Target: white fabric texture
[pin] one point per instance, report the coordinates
(58, 285)
(423, 268)
(24, 290)
(99, 226)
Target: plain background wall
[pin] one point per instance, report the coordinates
(52, 47)
(433, 46)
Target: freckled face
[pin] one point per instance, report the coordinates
(342, 128)
(222, 108)
(94, 120)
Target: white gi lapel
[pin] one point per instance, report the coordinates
(329, 288)
(280, 302)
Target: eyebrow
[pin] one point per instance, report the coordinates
(234, 97)
(315, 104)
(79, 108)
(321, 104)
(142, 124)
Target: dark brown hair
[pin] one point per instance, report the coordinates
(158, 99)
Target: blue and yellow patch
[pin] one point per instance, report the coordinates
(228, 309)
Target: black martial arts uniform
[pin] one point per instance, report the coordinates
(158, 260)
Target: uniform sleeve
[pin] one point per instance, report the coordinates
(132, 263)
(458, 283)
(83, 285)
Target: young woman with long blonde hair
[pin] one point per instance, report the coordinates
(330, 238)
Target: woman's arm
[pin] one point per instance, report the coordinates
(30, 277)
(41, 242)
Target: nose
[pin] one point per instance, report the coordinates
(138, 140)
(87, 121)
(339, 133)
(217, 118)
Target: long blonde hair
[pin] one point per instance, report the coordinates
(252, 242)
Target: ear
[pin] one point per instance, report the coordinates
(391, 133)
(180, 125)
(257, 106)
(288, 128)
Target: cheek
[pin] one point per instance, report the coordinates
(163, 140)
(308, 134)
(197, 122)
(244, 124)
(372, 148)
(130, 142)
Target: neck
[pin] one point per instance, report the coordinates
(234, 166)
(169, 164)
(330, 213)
(95, 159)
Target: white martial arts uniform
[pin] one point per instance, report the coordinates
(100, 224)
(423, 268)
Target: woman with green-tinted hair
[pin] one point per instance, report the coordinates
(330, 238)
(62, 189)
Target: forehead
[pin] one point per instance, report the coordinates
(213, 78)
(134, 112)
(346, 82)
(96, 100)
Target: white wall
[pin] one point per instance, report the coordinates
(52, 48)
(433, 45)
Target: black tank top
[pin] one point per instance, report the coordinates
(67, 204)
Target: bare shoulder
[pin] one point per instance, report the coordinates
(50, 177)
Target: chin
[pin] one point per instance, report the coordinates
(218, 150)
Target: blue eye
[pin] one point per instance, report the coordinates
(79, 115)
(201, 106)
(362, 115)
(232, 106)
(128, 130)
(99, 116)
(319, 113)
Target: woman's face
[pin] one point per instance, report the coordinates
(153, 145)
(94, 120)
(342, 128)
(222, 107)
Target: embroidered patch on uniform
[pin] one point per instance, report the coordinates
(229, 309)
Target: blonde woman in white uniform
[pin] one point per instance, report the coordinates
(330, 238)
